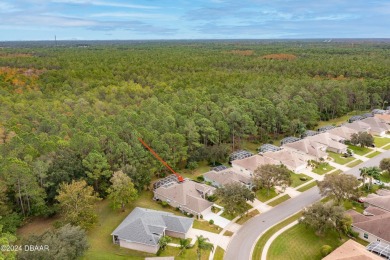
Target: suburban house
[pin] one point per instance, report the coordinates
(226, 176)
(142, 229)
(315, 150)
(293, 160)
(359, 126)
(385, 117)
(374, 224)
(332, 142)
(351, 250)
(189, 196)
(248, 165)
(343, 132)
(377, 126)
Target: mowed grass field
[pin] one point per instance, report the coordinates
(381, 141)
(301, 242)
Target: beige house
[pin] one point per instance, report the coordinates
(351, 250)
(293, 160)
(189, 196)
(248, 165)
(385, 117)
(315, 150)
(332, 142)
(343, 132)
(377, 126)
(142, 229)
(227, 176)
(359, 126)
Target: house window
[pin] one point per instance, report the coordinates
(365, 235)
(378, 240)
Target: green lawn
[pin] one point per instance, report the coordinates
(387, 147)
(308, 186)
(279, 200)
(263, 196)
(246, 217)
(203, 167)
(301, 242)
(323, 168)
(296, 181)
(219, 253)
(252, 147)
(381, 141)
(187, 254)
(371, 155)
(359, 150)
(337, 172)
(359, 207)
(264, 238)
(353, 164)
(338, 158)
(385, 177)
(205, 225)
(231, 217)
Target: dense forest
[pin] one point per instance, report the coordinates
(72, 112)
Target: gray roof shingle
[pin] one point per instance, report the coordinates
(146, 226)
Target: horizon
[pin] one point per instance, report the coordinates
(82, 20)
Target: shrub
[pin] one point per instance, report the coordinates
(212, 198)
(191, 215)
(192, 165)
(200, 178)
(164, 204)
(201, 216)
(353, 233)
(303, 178)
(211, 222)
(325, 250)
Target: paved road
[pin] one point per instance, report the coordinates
(242, 242)
(372, 162)
(241, 245)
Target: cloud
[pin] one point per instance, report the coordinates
(131, 15)
(104, 3)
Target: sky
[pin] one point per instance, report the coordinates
(182, 19)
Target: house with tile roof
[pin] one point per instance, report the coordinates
(248, 165)
(351, 250)
(315, 150)
(293, 160)
(358, 126)
(227, 176)
(332, 142)
(189, 196)
(142, 229)
(377, 126)
(343, 132)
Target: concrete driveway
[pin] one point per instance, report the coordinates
(218, 220)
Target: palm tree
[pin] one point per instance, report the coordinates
(203, 245)
(373, 173)
(164, 241)
(184, 244)
(363, 174)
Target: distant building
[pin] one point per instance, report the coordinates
(269, 148)
(343, 132)
(293, 160)
(248, 165)
(377, 126)
(241, 154)
(142, 229)
(315, 150)
(332, 142)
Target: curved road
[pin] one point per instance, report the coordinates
(240, 246)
